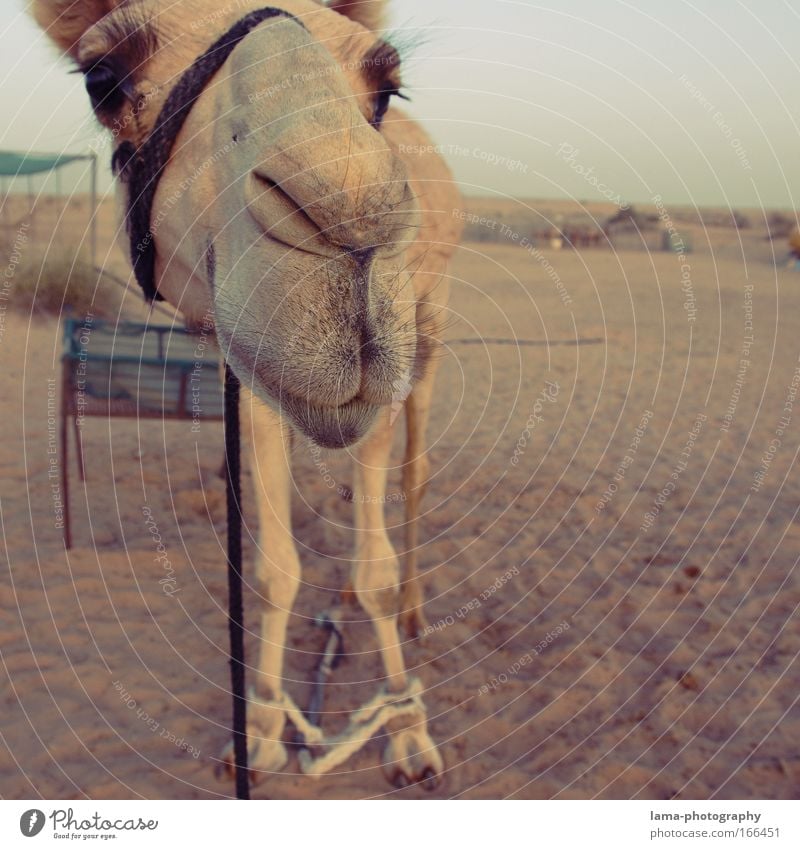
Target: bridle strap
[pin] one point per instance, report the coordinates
(141, 169)
(233, 497)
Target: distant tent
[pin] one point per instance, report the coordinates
(22, 164)
(14, 164)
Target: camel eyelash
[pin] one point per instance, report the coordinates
(109, 75)
(107, 85)
(381, 66)
(382, 99)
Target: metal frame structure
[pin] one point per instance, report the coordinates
(132, 370)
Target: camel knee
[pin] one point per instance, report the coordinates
(415, 477)
(423, 465)
(376, 579)
(418, 469)
(278, 579)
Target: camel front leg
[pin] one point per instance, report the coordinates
(431, 318)
(277, 580)
(411, 754)
(416, 468)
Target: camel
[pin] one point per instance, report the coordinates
(312, 223)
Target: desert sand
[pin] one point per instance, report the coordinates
(610, 548)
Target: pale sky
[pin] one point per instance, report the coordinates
(695, 101)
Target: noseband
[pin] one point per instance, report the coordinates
(141, 169)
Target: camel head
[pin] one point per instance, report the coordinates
(283, 214)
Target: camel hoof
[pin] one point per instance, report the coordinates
(347, 595)
(400, 781)
(430, 780)
(225, 768)
(263, 757)
(412, 758)
(413, 623)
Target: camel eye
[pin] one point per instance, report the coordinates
(103, 86)
(382, 99)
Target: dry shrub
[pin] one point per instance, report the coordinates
(740, 221)
(629, 219)
(52, 280)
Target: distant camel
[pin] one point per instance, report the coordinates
(312, 224)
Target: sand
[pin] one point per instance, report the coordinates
(610, 551)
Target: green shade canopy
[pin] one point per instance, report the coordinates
(14, 164)
(20, 164)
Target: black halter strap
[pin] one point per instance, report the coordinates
(141, 169)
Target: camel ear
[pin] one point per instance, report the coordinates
(65, 21)
(369, 13)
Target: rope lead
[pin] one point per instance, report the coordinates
(235, 604)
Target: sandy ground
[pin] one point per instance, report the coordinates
(580, 649)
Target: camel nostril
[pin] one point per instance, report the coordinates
(370, 351)
(361, 256)
(280, 218)
(265, 182)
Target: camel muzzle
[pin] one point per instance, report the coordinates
(311, 158)
(354, 203)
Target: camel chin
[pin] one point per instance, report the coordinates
(333, 427)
